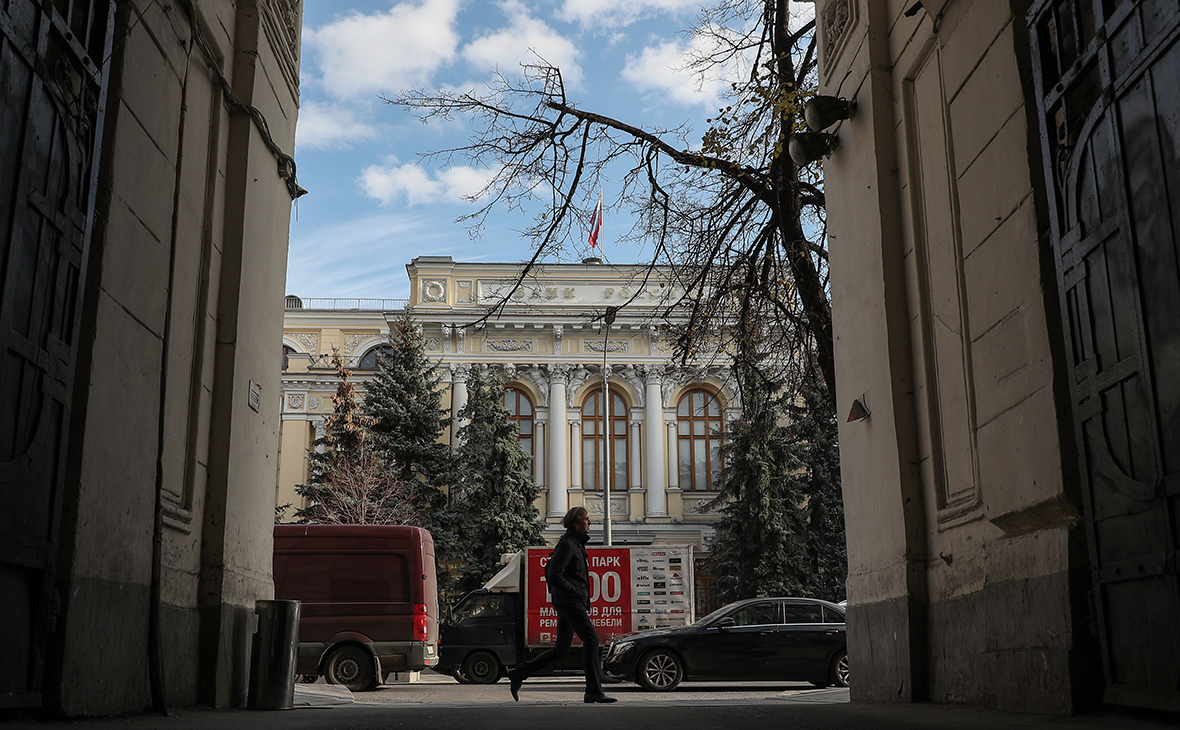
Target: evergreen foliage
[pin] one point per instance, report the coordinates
(782, 526)
(408, 419)
(493, 498)
(404, 403)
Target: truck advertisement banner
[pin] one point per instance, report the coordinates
(631, 589)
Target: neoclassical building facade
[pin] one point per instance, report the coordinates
(549, 345)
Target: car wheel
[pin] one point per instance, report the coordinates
(840, 669)
(460, 677)
(350, 666)
(482, 667)
(659, 671)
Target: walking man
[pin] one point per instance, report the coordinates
(568, 577)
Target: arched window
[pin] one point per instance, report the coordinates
(698, 428)
(520, 409)
(288, 351)
(592, 442)
(369, 361)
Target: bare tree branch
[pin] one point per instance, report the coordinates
(739, 223)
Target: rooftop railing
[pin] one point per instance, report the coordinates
(361, 305)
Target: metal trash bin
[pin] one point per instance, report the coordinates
(272, 666)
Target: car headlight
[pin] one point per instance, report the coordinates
(618, 649)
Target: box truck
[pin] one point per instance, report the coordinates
(510, 620)
(370, 599)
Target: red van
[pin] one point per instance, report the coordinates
(370, 599)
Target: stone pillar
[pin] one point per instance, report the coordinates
(575, 451)
(673, 455)
(653, 462)
(459, 375)
(540, 422)
(634, 452)
(634, 463)
(559, 470)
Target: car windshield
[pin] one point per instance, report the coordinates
(713, 616)
(479, 605)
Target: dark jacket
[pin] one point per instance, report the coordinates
(568, 572)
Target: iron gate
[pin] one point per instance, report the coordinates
(53, 80)
(1106, 74)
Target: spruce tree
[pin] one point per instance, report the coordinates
(813, 433)
(782, 526)
(404, 402)
(758, 548)
(405, 405)
(494, 495)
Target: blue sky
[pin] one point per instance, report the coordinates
(373, 205)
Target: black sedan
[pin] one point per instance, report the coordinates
(784, 639)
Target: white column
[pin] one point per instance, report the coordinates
(673, 456)
(575, 451)
(559, 470)
(540, 421)
(634, 464)
(458, 399)
(655, 478)
(634, 453)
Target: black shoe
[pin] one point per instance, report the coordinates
(599, 698)
(514, 682)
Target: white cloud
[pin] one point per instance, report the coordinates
(385, 51)
(365, 257)
(329, 126)
(660, 70)
(525, 36)
(393, 182)
(620, 13)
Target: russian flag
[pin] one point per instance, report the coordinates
(596, 223)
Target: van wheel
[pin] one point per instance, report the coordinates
(482, 667)
(350, 666)
(460, 677)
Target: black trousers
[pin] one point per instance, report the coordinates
(571, 619)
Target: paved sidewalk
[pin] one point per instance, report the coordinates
(329, 709)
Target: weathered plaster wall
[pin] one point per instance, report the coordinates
(963, 545)
(181, 315)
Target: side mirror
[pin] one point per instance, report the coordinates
(725, 623)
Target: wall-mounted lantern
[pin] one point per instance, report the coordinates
(822, 112)
(807, 147)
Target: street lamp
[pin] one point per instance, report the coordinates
(607, 321)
